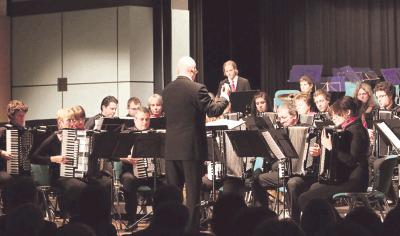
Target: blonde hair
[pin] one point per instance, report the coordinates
(155, 96)
(65, 113)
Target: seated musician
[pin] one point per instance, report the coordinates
(307, 86)
(352, 153)
(16, 111)
(49, 153)
(364, 94)
(384, 92)
(259, 103)
(302, 102)
(128, 180)
(287, 116)
(108, 108)
(155, 104)
(133, 104)
(322, 99)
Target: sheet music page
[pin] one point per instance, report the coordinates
(389, 133)
(230, 123)
(273, 145)
(98, 123)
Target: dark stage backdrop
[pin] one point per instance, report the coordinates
(267, 37)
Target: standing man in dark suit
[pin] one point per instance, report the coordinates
(186, 104)
(236, 83)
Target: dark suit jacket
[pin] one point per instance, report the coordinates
(186, 104)
(242, 85)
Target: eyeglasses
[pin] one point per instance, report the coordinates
(382, 96)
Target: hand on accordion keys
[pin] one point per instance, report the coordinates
(6, 155)
(371, 134)
(129, 160)
(326, 141)
(58, 159)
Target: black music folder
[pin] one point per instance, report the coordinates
(241, 101)
(104, 144)
(148, 145)
(158, 123)
(249, 143)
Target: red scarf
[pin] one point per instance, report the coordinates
(349, 121)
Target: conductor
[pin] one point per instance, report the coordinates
(186, 104)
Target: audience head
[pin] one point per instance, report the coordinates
(287, 115)
(25, 220)
(94, 205)
(224, 212)
(317, 215)
(79, 117)
(278, 227)
(132, 105)
(142, 118)
(343, 109)
(366, 217)
(109, 106)
(187, 67)
(170, 218)
(259, 103)
(306, 84)
(19, 191)
(384, 94)
(302, 102)
(155, 104)
(16, 111)
(230, 69)
(65, 117)
(321, 100)
(75, 229)
(346, 228)
(247, 219)
(167, 193)
(392, 222)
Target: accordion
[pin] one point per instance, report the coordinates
(19, 144)
(328, 166)
(145, 168)
(76, 146)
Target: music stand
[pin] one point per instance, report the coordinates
(249, 143)
(109, 124)
(390, 130)
(313, 71)
(283, 150)
(241, 101)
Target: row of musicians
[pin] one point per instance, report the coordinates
(353, 152)
(50, 150)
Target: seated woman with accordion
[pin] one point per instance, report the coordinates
(344, 155)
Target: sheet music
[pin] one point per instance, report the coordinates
(389, 133)
(273, 145)
(230, 123)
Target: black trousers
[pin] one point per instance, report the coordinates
(4, 178)
(295, 187)
(130, 184)
(187, 172)
(358, 182)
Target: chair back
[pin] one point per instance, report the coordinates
(40, 174)
(385, 174)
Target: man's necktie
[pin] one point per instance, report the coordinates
(233, 88)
